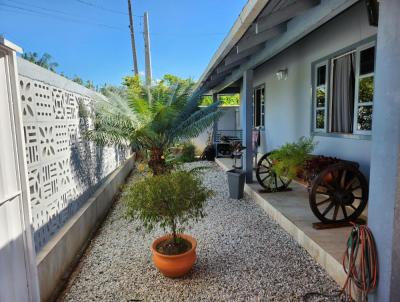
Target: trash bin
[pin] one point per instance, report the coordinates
(236, 178)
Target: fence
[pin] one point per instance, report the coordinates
(63, 169)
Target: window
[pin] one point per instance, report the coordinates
(343, 92)
(258, 107)
(320, 101)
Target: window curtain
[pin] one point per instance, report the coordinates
(343, 94)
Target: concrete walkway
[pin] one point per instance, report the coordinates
(243, 255)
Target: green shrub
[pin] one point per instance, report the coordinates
(291, 157)
(188, 153)
(168, 200)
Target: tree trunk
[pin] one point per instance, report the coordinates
(157, 161)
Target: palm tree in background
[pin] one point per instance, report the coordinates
(45, 61)
(172, 116)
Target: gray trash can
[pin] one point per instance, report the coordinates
(236, 178)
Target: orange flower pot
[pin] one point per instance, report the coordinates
(174, 266)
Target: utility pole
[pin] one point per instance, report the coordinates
(147, 54)
(135, 65)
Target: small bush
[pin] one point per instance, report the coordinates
(188, 153)
(168, 200)
(291, 157)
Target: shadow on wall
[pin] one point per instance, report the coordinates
(88, 171)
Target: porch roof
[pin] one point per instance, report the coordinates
(263, 29)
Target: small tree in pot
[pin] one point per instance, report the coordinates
(170, 201)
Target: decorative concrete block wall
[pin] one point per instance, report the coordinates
(63, 169)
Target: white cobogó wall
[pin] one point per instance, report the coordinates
(288, 103)
(63, 169)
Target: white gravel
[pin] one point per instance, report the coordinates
(243, 255)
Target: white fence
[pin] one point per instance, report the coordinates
(63, 169)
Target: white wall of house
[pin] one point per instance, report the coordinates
(288, 103)
(228, 121)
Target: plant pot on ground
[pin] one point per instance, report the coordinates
(170, 201)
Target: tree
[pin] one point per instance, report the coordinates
(173, 116)
(44, 61)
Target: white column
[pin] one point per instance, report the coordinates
(246, 101)
(384, 201)
(215, 125)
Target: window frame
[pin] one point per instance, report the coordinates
(357, 103)
(328, 61)
(262, 106)
(315, 87)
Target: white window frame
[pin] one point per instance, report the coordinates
(315, 86)
(357, 104)
(329, 63)
(262, 106)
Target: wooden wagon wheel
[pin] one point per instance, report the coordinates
(267, 178)
(339, 193)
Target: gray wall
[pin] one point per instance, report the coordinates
(288, 103)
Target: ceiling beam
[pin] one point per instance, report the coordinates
(260, 38)
(234, 56)
(224, 67)
(284, 14)
(220, 75)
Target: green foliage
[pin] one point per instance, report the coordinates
(45, 61)
(288, 159)
(187, 153)
(225, 100)
(172, 116)
(170, 201)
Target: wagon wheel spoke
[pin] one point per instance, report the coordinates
(328, 208)
(263, 172)
(335, 212)
(327, 186)
(350, 184)
(355, 188)
(353, 207)
(344, 211)
(323, 202)
(343, 179)
(265, 177)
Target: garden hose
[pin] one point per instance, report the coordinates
(360, 263)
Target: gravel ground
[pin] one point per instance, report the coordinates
(243, 255)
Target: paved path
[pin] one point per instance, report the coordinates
(242, 256)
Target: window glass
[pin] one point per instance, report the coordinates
(364, 120)
(320, 100)
(320, 119)
(367, 61)
(321, 75)
(366, 89)
(321, 96)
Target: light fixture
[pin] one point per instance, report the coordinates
(282, 74)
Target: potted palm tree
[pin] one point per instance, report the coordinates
(171, 201)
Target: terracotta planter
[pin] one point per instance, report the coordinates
(174, 266)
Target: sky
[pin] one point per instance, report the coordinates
(90, 38)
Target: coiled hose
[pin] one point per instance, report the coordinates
(360, 263)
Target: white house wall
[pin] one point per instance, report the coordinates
(288, 103)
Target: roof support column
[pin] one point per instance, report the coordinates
(384, 201)
(246, 104)
(215, 124)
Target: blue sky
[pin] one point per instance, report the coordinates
(90, 38)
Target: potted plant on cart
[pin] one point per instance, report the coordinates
(170, 201)
(276, 169)
(236, 176)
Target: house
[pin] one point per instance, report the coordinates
(324, 69)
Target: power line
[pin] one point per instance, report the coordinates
(19, 9)
(110, 10)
